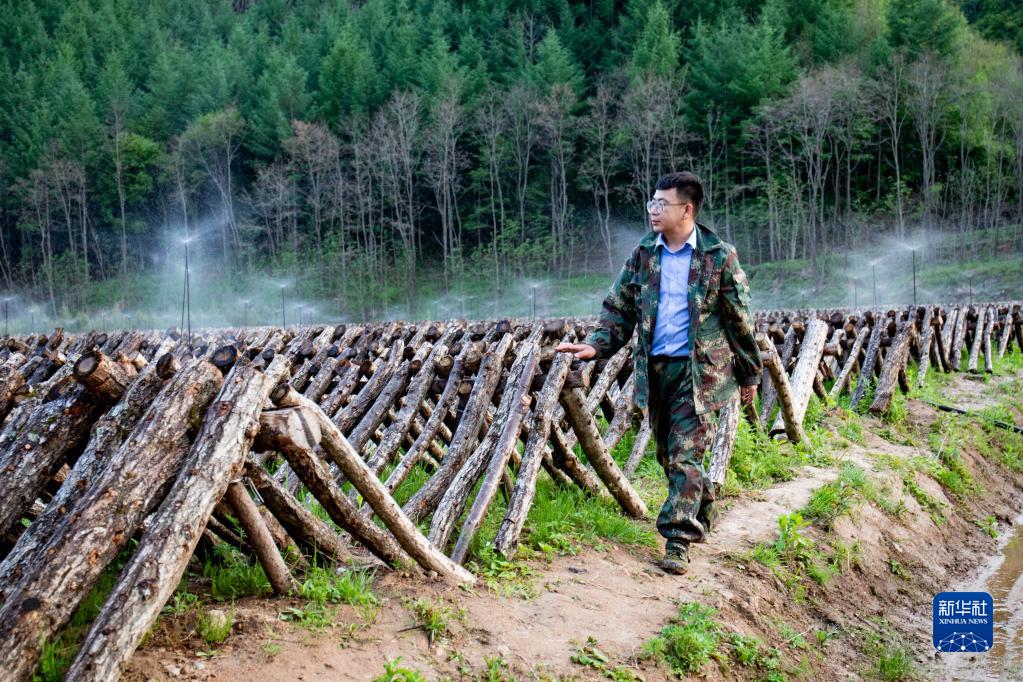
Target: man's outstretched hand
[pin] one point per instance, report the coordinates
(583, 351)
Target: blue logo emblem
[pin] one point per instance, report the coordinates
(964, 622)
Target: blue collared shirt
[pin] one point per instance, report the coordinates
(671, 329)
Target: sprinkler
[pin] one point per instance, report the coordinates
(7, 317)
(873, 268)
(914, 275)
(245, 312)
(532, 305)
(186, 296)
(284, 319)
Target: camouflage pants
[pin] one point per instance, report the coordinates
(683, 438)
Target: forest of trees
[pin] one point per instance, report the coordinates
(368, 147)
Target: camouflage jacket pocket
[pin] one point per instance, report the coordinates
(716, 352)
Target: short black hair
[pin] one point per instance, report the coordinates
(686, 184)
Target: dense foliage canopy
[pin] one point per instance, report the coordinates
(377, 143)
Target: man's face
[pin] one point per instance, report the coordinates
(672, 215)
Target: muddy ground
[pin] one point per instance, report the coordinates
(615, 599)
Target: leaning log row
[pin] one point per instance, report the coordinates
(171, 445)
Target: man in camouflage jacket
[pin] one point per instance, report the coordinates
(706, 349)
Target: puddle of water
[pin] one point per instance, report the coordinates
(1003, 578)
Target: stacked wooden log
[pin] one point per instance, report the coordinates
(138, 440)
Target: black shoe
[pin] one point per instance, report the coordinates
(676, 558)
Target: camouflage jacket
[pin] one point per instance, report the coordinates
(722, 346)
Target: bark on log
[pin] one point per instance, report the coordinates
(945, 338)
(395, 389)
(622, 418)
(639, 446)
(12, 387)
(565, 460)
(1003, 339)
(170, 538)
(589, 438)
(31, 451)
(524, 491)
(402, 422)
(769, 355)
(926, 342)
(894, 361)
(348, 376)
(803, 375)
(373, 491)
(724, 442)
(106, 437)
(978, 338)
(258, 536)
(869, 362)
(293, 444)
(958, 339)
(349, 417)
(770, 394)
(607, 376)
(843, 378)
(428, 497)
(989, 328)
(497, 451)
(104, 519)
(105, 378)
(313, 536)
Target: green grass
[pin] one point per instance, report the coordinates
(560, 520)
(214, 629)
(694, 637)
(759, 461)
(235, 576)
(434, 618)
(591, 656)
(687, 643)
(56, 654)
(892, 659)
(394, 672)
(323, 585)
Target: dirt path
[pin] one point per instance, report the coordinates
(620, 599)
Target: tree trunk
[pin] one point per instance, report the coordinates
(769, 355)
(172, 533)
(894, 362)
(529, 468)
(436, 419)
(978, 334)
(869, 360)
(373, 491)
(429, 496)
(959, 339)
(926, 340)
(258, 536)
(724, 442)
(299, 428)
(854, 353)
(989, 329)
(107, 436)
(1003, 339)
(498, 451)
(589, 438)
(770, 393)
(313, 535)
(638, 447)
(104, 519)
(810, 351)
